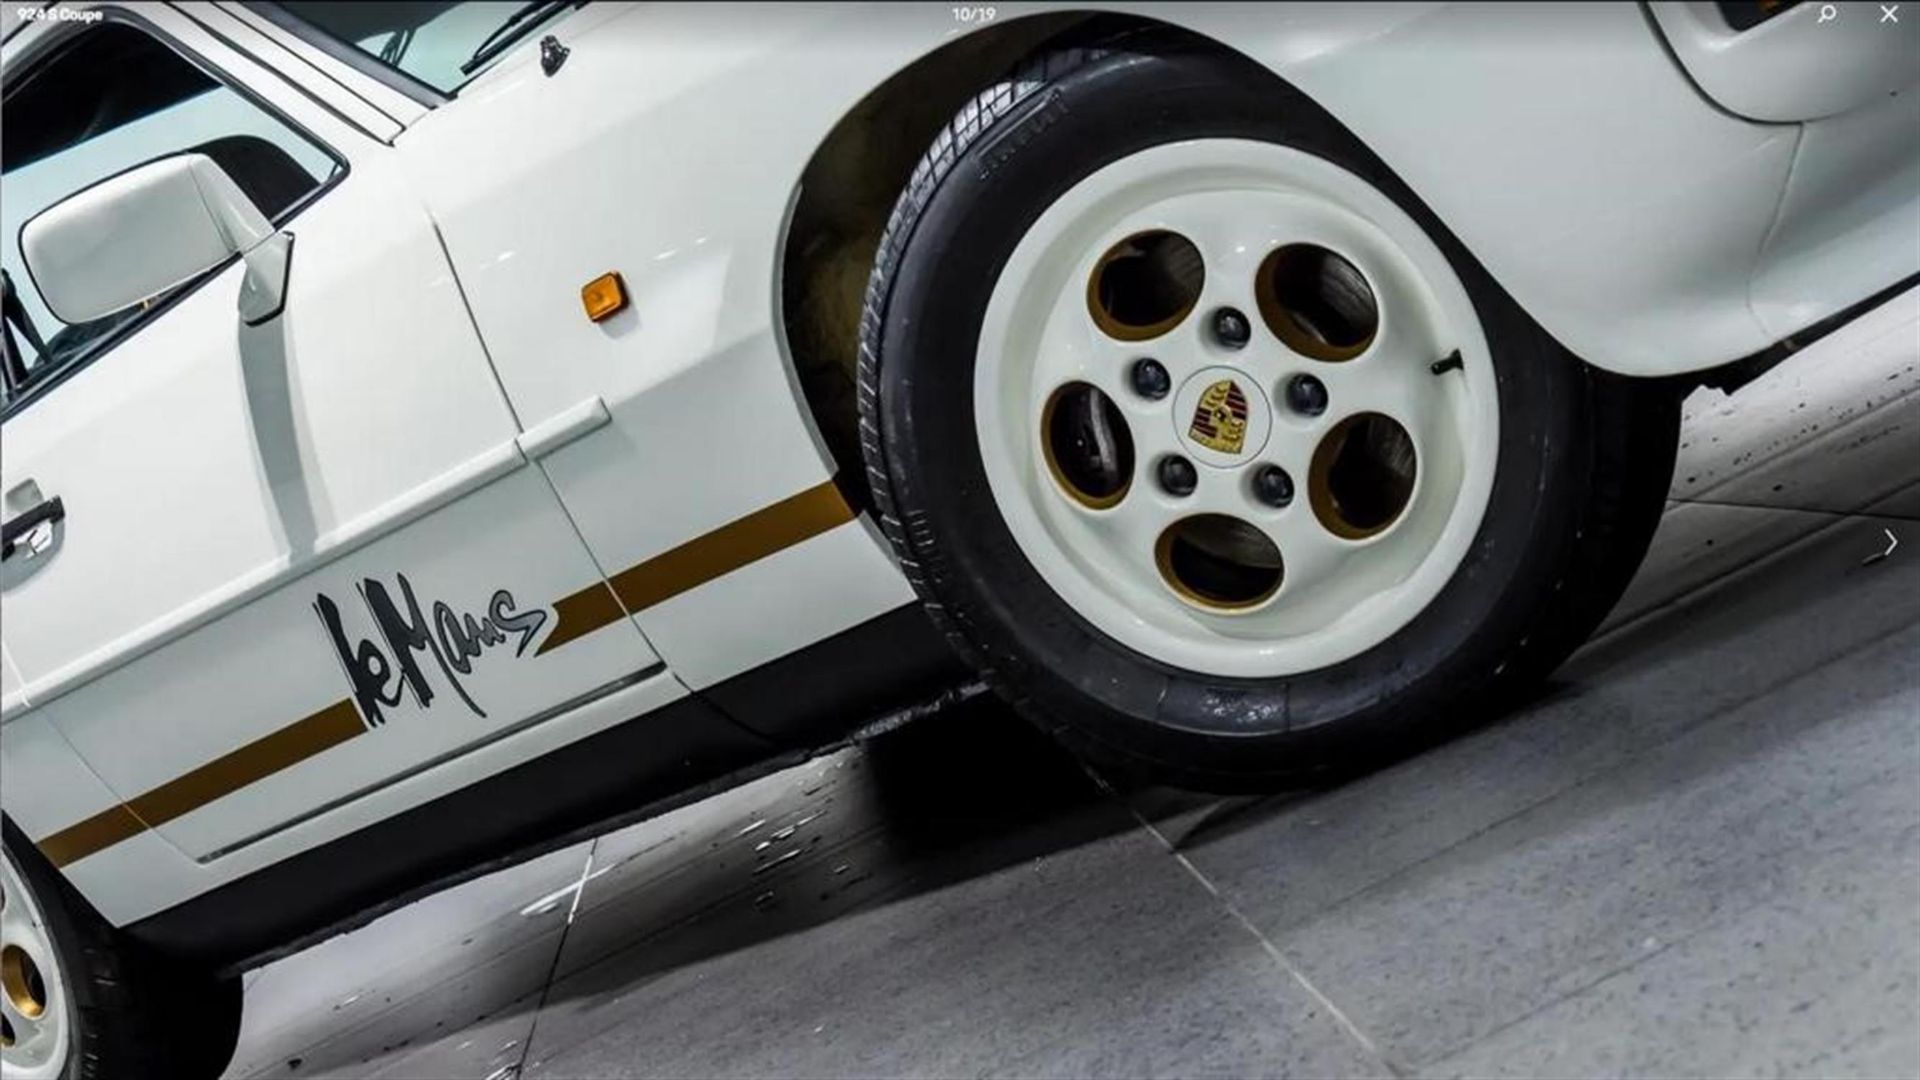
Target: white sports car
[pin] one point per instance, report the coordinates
(436, 430)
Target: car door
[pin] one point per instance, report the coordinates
(293, 564)
(617, 139)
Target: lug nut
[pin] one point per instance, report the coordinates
(1150, 379)
(1272, 485)
(1230, 328)
(1306, 395)
(1177, 476)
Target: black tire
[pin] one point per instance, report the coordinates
(1583, 463)
(137, 1014)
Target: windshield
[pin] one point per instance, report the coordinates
(428, 41)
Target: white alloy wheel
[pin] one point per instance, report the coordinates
(1210, 447)
(1340, 375)
(35, 1006)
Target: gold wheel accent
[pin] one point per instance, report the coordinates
(1219, 562)
(1362, 476)
(1145, 285)
(1317, 303)
(20, 981)
(1083, 482)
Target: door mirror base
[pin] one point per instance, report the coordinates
(263, 293)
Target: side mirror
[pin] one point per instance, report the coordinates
(131, 237)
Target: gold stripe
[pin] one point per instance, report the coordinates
(223, 775)
(257, 760)
(582, 613)
(694, 563)
(732, 546)
(102, 830)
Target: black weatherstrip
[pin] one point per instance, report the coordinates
(1735, 374)
(298, 86)
(395, 79)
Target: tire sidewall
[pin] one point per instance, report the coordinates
(1016, 627)
(134, 1013)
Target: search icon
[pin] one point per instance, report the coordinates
(1828, 13)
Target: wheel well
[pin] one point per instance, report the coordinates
(847, 192)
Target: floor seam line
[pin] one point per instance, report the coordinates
(1558, 999)
(519, 1067)
(1705, 723)
(1273, 952)
(1865, 513)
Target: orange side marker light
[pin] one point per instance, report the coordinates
(604, 296)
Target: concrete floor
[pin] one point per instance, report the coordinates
(1697, 852)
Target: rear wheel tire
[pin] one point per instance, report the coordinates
(1458, 501)
(82, 1001)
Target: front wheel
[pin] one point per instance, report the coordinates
(1211, 447)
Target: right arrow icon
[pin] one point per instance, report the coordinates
(1892, 542)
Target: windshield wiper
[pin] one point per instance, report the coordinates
(517, 26)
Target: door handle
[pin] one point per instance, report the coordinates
(46, 513)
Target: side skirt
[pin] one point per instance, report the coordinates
(1735, 374)
(760, 721)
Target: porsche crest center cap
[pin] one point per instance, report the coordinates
(1222, 417)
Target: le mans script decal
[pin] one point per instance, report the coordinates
(383, 671)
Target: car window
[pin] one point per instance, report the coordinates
(430, 42)
(107, 99)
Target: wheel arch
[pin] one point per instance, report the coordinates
(1518, 148)
(848, 187)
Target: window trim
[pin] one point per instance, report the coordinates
(422, 93)
(296, 81)
(367, 64)
(32, 59)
